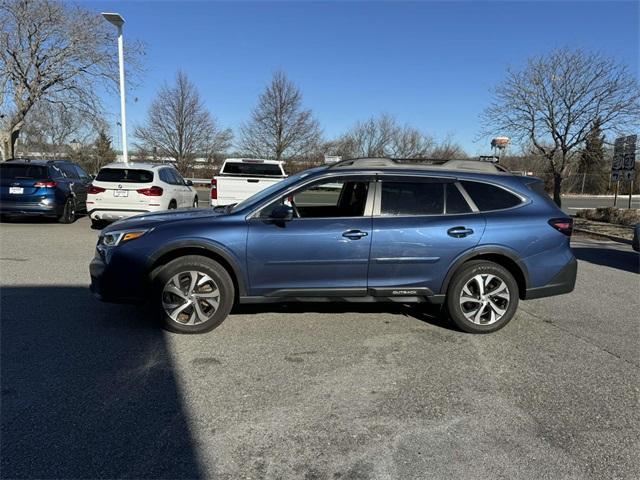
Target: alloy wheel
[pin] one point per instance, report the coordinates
(190, 298)
(484, 299)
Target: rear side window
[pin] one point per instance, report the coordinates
(81, 173)
(125, 175)
(69, 170)
(252, 169)
(406, 198)
(165, 176)
(176, 177)
(23, 170)
(489, 197)
(455, 201)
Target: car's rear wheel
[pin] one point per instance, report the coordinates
(195, 294)
(195, 202)
(482, 297)
(173, 205)
(68, 212)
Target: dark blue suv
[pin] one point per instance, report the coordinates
(44, 188)
(464, 234)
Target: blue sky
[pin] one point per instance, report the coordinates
(431, 64)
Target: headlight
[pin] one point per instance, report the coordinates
(112, 239)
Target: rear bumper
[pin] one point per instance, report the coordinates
(563, 282)
(30, 208)
(111, 215)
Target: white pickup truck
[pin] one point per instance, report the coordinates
(239, 178)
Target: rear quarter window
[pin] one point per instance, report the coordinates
(490, 197)
(125, 175)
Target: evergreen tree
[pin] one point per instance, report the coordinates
(103, 152)
(591, 161)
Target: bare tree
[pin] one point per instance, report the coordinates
(552, 103)
(382, 136)
(280, 127)
(180, 127)
(52, 52)
(51, 128)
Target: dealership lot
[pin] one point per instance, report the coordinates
(313, 391)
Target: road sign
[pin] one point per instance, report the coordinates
(624, 158)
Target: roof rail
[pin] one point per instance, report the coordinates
(427, 163)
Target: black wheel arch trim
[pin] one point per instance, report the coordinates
(208, 246)
(485, 250)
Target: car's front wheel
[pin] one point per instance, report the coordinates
(482, 297)
(195, 294)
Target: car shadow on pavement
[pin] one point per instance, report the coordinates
(629, 261)
(427, 313)
(88, 390)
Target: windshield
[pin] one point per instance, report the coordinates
(267, 192)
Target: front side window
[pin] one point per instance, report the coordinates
(408, 198)
(327, 199)
(490, 197)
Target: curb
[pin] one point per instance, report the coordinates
(603, 235)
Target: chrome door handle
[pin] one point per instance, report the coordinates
(459, 232)
(354, 234)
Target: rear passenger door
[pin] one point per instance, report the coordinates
(182, 188)
(420, 226)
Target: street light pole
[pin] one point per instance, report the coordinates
(117, 20)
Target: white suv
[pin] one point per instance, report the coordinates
(121, 190)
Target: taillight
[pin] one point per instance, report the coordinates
(214, 189)
(46, 184)
(563, 225)
(150, 192)
(93, 190)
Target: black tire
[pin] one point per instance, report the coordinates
(195, 202)
(98, 224)
(172, 205)
(457, 309)
(68, 212)
(180, 270)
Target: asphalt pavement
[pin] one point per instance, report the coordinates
(313, 391)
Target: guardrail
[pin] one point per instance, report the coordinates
(200, 181)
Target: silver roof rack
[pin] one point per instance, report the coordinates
(420, 164)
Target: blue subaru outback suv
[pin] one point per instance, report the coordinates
(464, 234)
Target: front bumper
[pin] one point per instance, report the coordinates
(563, 282)
(118, 278)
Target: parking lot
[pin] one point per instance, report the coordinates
(313, 391)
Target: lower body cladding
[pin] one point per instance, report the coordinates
(354, 295)
(126, 278)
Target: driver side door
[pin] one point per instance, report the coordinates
(323, 250)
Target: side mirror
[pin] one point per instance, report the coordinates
(189, 183)
(283, 213)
